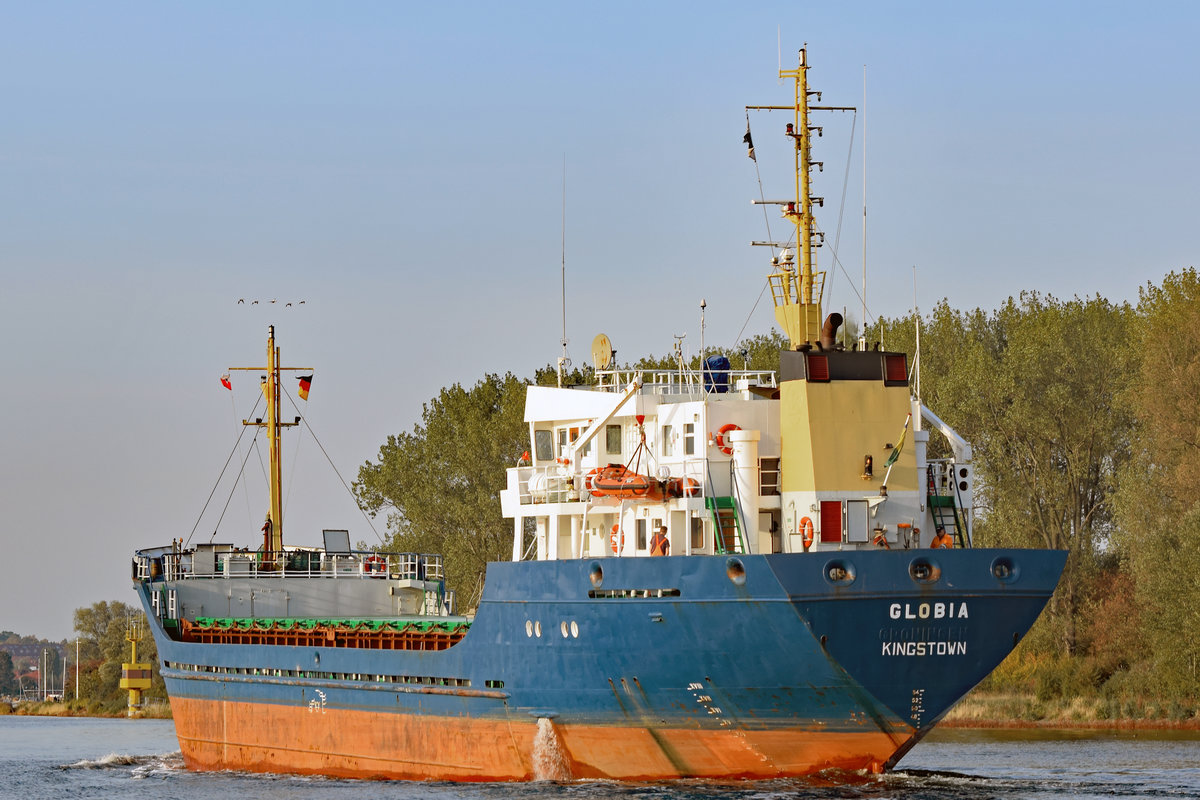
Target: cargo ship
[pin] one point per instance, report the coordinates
(715, 573)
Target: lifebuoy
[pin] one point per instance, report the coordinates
(719, 439)
(616, 539)
(587, 480)
(806, 532)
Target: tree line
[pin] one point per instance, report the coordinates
(103, 647)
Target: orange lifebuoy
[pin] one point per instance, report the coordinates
(719, 439)
(806, 532)
(616, 539)
(587, 480)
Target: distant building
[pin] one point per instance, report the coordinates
(33, 651)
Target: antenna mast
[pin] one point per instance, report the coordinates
(917, 368)
(564, 360)
(862, 336)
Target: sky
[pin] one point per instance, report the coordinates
(400, 168)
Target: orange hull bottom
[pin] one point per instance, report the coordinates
(216, 735)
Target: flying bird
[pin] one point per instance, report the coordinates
(241, 301)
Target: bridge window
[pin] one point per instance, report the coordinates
(543, 445)
(612, 439)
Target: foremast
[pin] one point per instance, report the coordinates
(272, 393)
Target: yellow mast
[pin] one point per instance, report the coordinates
(272, 392)
(271, 389)
(798, 296)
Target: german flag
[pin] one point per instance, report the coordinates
(305, 385)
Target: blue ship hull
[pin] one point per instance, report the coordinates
(684, 652)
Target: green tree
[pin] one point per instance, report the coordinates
(103, 648)
(1159, 497)
(759, 352)
(440, 483)
(8, 676)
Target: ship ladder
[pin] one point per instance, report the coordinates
(727, 528)
(944, 509)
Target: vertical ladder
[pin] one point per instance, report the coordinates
(944, 509)
(727, 529)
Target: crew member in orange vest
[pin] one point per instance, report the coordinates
(659, 544)
(942, 540)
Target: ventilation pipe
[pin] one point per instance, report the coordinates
(829, 330)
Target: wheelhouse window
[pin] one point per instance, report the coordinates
(568, 437)
(543, 445)
(612, 439)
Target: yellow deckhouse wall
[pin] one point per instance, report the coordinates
(827, 427)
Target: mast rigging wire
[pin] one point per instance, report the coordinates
(837, 236)
(218, 481)
(253, 448)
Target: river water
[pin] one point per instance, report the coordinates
(44, 758)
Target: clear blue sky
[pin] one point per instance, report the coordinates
(398, 166)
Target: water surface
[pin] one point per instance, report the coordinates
(44, 758)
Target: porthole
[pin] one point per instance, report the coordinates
(562, 627)
(1005, 570)
(924, 570)
(529, 628)
(537, 629)
(839, 572)
(596, 574)
(736, 571)
(574, 629)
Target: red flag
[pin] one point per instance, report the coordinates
(305, 385)
(225, 382)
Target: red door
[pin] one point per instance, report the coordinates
(831, 521)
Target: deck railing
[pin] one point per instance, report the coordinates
(556, 483)
(686, 382)
(224, 562)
